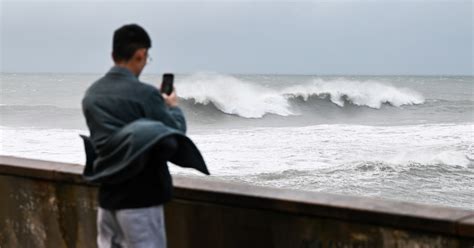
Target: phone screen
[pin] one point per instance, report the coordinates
(167, 84)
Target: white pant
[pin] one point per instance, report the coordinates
(131, 228)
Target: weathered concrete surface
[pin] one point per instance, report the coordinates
(41, 213)
(227, 226)
(46, 204)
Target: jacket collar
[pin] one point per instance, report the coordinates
(122, 71)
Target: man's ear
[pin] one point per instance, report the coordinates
(140, 54)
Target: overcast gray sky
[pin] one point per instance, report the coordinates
(338, 37)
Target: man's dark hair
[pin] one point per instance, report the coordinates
(127, 40)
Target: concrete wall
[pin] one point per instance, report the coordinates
(47, 204)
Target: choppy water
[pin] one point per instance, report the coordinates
(407, 138)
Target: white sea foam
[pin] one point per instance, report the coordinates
(234, 96)
(259, 150)
(269, 150)
(362, 93)
(450, 157)
(353, 159)
(251, 100)
(62, 145)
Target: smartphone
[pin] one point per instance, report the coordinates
(167, 84)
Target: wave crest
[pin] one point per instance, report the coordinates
(234, 96)
(253, 100)
(369, 93)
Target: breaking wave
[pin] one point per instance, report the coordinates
(234, 96)
(369, 93)
(247, 99)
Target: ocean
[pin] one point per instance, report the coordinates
(407, 138)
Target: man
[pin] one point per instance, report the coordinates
(134, 131)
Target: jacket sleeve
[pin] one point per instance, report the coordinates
(156, 109)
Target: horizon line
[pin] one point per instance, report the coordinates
(257, 74)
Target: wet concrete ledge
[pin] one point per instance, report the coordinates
(207, 212)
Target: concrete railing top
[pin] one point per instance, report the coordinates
(445, 220)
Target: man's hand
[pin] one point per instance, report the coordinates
(172, 99)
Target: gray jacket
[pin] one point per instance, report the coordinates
(126, 118)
